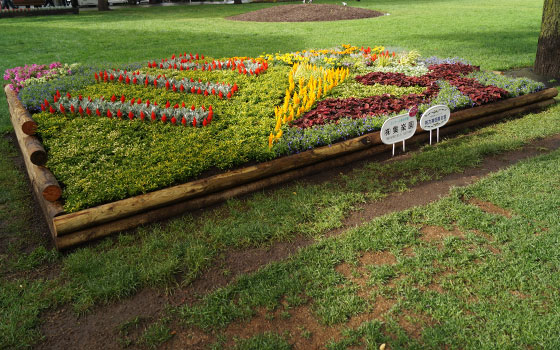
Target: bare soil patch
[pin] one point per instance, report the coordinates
(489, 207)
(306, 13)
(437, 233)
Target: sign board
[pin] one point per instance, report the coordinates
(435, 117)
(399, 128)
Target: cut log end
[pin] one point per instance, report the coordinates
(29, 127)
(38, 157)
(52, 193)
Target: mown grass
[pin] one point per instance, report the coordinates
(498, 284)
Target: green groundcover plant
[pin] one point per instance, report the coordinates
(112, 132)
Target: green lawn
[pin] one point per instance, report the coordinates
(496, 35)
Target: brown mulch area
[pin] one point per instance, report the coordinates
(306, 13)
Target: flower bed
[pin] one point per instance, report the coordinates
(117, 132)
(38, 11)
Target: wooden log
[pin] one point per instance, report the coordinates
(37, 153)
(127, 207)
(105, 229)
(23, 119)
(49, 209)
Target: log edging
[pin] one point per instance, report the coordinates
(74, 228)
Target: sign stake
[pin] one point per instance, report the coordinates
(430, 137)
(437, 131)
(403, 149)
(393, 149)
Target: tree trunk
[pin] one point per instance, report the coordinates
(74, 3)
(237, 2)
(103, 5)
(548, 51)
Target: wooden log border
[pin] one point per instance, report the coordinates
(71, 229)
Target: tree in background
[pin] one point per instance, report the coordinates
(103, 5)
(548, 50)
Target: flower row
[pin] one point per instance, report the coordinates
(453, 73)
(313, 83)
(183, 85)
(122, 108)
(20, 77)
(184, 62)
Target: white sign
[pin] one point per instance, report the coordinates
(434, 118)
(399, 128)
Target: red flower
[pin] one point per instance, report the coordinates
(72, 109)
(155, 83)
(176, 105)
(220, 95)
(109, 114)
(142, 116)
(164, 118)
(46, 103)
(132, 101)
(88, 111)
(167, 104)
(113, 98)
(123, 98)
(130, 115)
(119, 113)
(192, 108)
(153, 116)
(193, 90)
(111, 77)
(120, 78)
(167, 85)
(62, 109)
(173, 120)
(174, 88)
(147, 103)
(81, 110)
(199, 91)
(204, 122)
(51, 109)
(134, 80)
(127, 80)
(96, 76)
(229, 95)
(42, 107)
(184, 121)
(98, 112)
(182, 88)
(194, 122)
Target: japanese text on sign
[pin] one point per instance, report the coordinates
(398, 129)
(435, 117)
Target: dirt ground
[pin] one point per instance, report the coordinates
(306, 13)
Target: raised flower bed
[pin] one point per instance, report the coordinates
(134, 144)
(38, 11)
